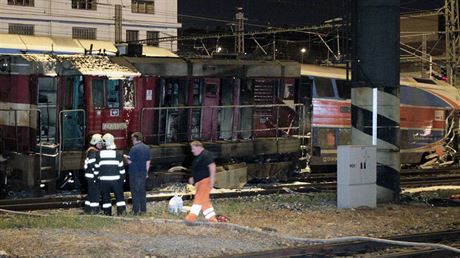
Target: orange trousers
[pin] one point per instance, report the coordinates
(202, 202)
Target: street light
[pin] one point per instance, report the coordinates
(302, 52)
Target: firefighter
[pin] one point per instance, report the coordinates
(111, 175)
(203, 177)
(92, 199)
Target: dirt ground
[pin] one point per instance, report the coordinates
(261, 223)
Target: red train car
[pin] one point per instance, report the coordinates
(52, 105)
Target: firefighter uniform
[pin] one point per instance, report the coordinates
(92, 200)
(111, 175)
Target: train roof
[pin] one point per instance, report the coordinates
(155, 66)
(340, 73)
(28, 64)
(441, 88)
(244, 68)
(323, 71)
(170, 66)
(96, 66)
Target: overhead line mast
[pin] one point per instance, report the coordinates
(452, 27)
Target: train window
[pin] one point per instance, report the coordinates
(303, 94)
(211, 89)
(327, 137)
(406, 139)
(343, 89)
(68, 94)
(288, 91)
(113, 94)
(170, 94)
(196, 92)
(97, 93)
(324, 88)
(344, 136)
(422, 80)
(128, 93)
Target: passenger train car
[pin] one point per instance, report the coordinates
(428, 115)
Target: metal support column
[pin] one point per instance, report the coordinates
(375, 64)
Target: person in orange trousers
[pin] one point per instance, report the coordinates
(203, 176)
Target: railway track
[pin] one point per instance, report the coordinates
(374, 248)
(316, 182)
(409, 178)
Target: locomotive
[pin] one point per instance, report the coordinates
(278, 117)
(429, 111)
(52, 104)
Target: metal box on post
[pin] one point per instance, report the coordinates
(356, 176)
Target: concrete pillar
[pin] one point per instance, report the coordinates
(376, 65)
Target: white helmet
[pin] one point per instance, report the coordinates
(95, 139)
(109, 141)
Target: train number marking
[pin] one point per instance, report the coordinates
(114, 126)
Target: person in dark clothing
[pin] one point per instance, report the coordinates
(92, 199)
(111, 174)
(203, 177)
(139, 163)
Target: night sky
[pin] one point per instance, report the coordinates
(210, 14)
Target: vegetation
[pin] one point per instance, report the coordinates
(54, 221)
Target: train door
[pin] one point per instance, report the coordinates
(195, 100)
(145, 92)
(129, 105)
(245, 114)
(228, 116)
(105, 112)
(209, 114)
(303, 95)
(47, 104)
(72, 114)
(264, 116)
(173, 117)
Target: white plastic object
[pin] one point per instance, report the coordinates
(176, 204)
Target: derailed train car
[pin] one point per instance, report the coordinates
(429, 112)
(51, 105)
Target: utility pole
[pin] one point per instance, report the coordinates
(452, 27)
(118, 19)
(239, 31)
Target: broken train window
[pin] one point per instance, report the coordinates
(128, 93)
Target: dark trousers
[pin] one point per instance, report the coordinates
(92, 203)
(115, 186)
(138, 193)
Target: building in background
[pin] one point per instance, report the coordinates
(130, 20)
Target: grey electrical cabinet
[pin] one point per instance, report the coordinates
(356, 176)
